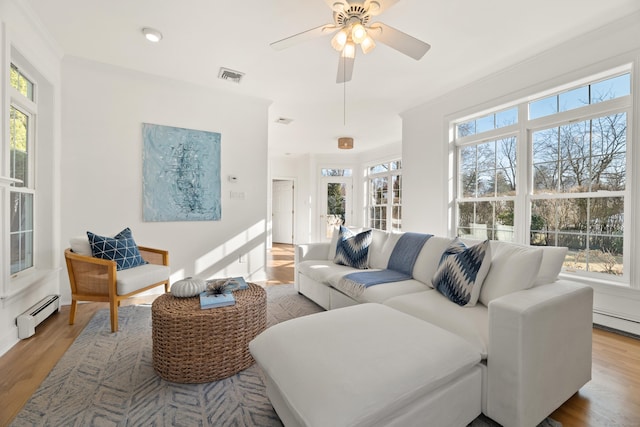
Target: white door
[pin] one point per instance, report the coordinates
(335, 204)
(282, 211)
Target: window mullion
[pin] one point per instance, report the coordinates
(524, 181)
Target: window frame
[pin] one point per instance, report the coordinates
(524, 131)
(28, 107)
(390, 205)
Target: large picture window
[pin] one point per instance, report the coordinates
(384, 196)
(551, 171)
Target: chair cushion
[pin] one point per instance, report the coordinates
(121, 248)
(80, 245)
(133, 279)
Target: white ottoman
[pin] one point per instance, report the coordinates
(368, 365)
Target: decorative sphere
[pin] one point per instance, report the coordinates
(188, 287)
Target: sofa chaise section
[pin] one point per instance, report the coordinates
(533, 331)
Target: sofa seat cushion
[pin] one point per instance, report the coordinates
(135, 278)
(358, 365)
(470, 323)
(382, 292)
(322, 271)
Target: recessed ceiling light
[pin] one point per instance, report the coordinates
(152, 34)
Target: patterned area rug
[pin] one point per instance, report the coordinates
(107, 379)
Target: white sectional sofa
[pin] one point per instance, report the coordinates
(532, 331)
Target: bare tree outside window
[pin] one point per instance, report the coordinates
(578, 172)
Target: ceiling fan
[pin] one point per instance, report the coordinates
(352, 26)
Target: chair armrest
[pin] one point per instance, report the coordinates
(154, 256)
(90, 275)
(539, 351)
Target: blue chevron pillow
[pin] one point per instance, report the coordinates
(121, 248)
(461, 272)
(353, 249)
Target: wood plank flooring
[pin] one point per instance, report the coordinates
(612, 398)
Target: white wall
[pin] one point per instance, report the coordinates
(102, 115)
(21, 38)
(425, 138)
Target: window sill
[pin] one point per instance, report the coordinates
(594, 281)
(19, 285)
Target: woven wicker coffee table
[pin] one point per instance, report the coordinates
(191, 345)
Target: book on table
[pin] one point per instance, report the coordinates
(216, 300)
(242, 284)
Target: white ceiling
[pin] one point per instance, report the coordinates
(469, 39)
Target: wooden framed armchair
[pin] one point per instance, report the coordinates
(96, 279)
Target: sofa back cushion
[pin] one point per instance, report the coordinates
(552, 260)
(428, 259)
(382, 258)
(513, 268)
(378, 258)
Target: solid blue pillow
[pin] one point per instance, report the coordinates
(353, 249)
(121, 248)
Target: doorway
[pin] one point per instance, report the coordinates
(282, 212)
(335, 204)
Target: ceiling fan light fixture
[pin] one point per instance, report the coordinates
(367, 44)
(349, 50)
(152, 34)
(358, 33)
(339, 40)
(345, 143)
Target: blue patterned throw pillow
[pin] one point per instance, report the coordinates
(353, 249)
(461, 272)
(121, 248)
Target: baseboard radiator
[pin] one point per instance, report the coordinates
(31, 318)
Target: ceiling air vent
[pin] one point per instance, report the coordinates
(231, 75)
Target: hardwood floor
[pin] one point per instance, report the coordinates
(610, 399)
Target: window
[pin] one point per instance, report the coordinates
(22, 111)
(335, 172)
(384, 196)
(557, 178)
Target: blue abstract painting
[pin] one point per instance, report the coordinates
(181, 174)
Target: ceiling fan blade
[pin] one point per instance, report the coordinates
(398, 40)
(345, 69)
(303, 36)
(376, 7)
